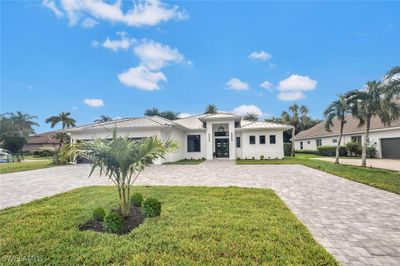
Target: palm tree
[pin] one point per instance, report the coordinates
(169, 115)
(391, 84)
(102, 119)
(337, 109)
(121, 160)
(152, 112)
(211, 109)
(250, 117)
(370, 102)
(66, 122)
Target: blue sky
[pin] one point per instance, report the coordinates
(118, 60)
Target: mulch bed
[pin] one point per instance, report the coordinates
(135, 218)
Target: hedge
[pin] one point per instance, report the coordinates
(331, 151)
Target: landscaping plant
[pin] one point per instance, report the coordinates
(137, 199)
(113, 222)
(122, 160)
(152, 208)
(99, 214)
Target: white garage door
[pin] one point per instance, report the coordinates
(390, 148)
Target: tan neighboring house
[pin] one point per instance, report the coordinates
(44, 141)
(386, 139)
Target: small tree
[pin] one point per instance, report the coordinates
(250, 117)
(102, 119)
(337, 109)
(66, 121)
(121, 160)
(211, 109)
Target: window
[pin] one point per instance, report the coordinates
(193, 143)
(308, 142)
(301, 145)
(237, 142)
(252, 139)
(262, 139)
(334, 140)
(272, 139)
(356, 139)
(319, 142)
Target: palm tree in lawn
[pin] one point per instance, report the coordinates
(121, 160)
(337, 110)
(211, 109)
(370, 102)
(66, 122)
(250, 117)
(102, 119)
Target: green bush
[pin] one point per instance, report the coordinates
(371, 152)
(137, 199)
(354, 149)
(287, 149)
(43, 153)
(99, 214)
(306, 151)
(152, 207)
(113, 222)
(331, 151)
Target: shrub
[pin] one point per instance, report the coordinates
(113, 222)
(43, 153)
(287, 149)
(99, 214)
(354, 149)
(152, 207)
(331, 151)
(137, 199)
(306, 151)
(262, 157)
(371, 152)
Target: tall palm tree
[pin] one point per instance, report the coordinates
(337, 110)
(103, 118)
(152, 112)
(211, 109)
(370, 102)
(250, 117)
(391, 84)
(66, 122)
(121, 160)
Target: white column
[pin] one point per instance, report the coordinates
(232, 140)
(209, 140)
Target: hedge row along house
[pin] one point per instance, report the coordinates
(386, 139)
(208, 136)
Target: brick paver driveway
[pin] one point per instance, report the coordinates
(358, 224)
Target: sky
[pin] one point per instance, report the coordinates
(119, 58)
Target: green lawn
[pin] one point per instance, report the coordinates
(379, 178)
(198, 226)
(186, 162)
(24, 166)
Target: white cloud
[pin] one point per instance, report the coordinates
(293, 87)
(142, 78)
(184, 115)
(52, 6)
(260, 55)
(95, 44)
(244, 109)
(89, 23)
(142, 13)
(266, 85)
(291, 96)
(237, 84)
(123, 43)
(94, 102)
(155, 55)
(74, 108)
(297, 83)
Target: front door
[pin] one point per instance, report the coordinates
(221, 148)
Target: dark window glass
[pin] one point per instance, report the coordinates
(334, 140)
(301, 145)
(262, 139)
(319, 142)
(356, 139)
(272, 139)
(193, 143)
(237, 142)
(252, 139)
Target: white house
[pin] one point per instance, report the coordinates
(210, 136)
(385, 138)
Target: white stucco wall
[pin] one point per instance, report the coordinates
(269, 151)
(374, 140)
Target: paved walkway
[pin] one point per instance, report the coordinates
(391, 164)
(358, 224)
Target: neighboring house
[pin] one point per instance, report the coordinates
(386, 139)
(44, 141)
(221, 135)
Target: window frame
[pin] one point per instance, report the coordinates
(318, 142)
(188, 139)
(238, 143)
(273, 137)
(264, 139)
(250, 139)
